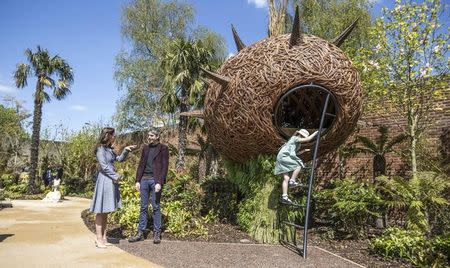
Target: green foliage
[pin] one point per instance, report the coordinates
(152, 26)
(441, 248)
(259, 211)
(12, 135)
(128, 216)
(420, 196)
(182, 205)
(79, 160)
(348, 206)
(221, 199)
(413, 246)
(406, 69)
(319, 18)
(395, 242)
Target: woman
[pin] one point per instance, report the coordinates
(106, 194)
(288, 161)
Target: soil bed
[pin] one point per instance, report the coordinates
(355, 250)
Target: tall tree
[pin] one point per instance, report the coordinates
(328, 18)
(182, 87)
(155, 29)
(53, 73)
(277, 17)
(409, 64)
(149, 26)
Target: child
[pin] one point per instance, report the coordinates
(288, 161)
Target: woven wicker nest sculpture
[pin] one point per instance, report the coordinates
(260, 96)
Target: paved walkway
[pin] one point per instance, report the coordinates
(38, 234)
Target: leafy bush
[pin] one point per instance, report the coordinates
(128, 216)
(401, 243)
(348, 206)
(259, 211)
(441, 248)
(221, 199)
(422, 196)
(6, 180)
(181, 205)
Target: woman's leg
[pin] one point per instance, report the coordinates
(284, 186)
(99, 228)
(104, 224)
(295, 174)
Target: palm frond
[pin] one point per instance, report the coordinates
(369, 146)
(21, 74)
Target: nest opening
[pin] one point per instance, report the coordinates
(301, 107)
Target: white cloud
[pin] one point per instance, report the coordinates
(230, 55)
(6, 89)
(258, 3)
(375, 1)
(78, 108)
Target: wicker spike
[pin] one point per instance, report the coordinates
(239, 44)
(296, 35)
(341, 38)
(223, 80)
(194, 113)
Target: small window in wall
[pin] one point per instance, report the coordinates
(301, 107)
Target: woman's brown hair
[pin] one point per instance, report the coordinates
(105, 138)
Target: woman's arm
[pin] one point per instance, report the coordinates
(122, 156)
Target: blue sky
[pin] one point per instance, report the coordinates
(87, 34)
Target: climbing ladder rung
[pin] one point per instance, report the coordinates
(328, 114)
(292, 245)
(293, 224)
(294, 205)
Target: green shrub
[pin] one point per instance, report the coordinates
(181, 204)
(441, 250)
(128, 216)
(6, 180)
(401, 243)
(348, 206)
(221, 199)
(259, 211)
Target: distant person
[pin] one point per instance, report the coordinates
(47, 177)
(288, 164)
(150, 177)
(106, 197)
(59, 172)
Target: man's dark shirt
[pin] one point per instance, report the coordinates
(148, 171)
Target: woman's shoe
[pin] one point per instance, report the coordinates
(98, 245)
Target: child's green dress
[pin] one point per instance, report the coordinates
(287, 159)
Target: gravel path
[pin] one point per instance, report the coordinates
(207, 254)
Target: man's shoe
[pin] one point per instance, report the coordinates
(157, 238)
(138, 237)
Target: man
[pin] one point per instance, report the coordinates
(150, 177)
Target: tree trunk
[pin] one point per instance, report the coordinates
(277, 17)
(34, 148)
(413, 137)
(182, 136)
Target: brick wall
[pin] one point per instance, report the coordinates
(360, 166)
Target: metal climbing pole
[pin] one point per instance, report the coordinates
(312, 169)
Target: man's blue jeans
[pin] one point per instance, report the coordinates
(147, 187)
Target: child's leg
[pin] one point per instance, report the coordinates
(295, 174)
(284, 186)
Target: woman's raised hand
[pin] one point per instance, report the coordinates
(130, 147)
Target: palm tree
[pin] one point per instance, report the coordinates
(45, 68)
(379, 148)
(182, 88)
